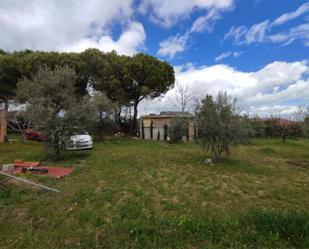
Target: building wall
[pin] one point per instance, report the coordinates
(158, 127)
(3, 126)
(191, 131)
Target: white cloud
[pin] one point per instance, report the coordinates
(168, 13)
(292, 15)
(236, 33)
(205, 22)
(274, 111)
(300, 32)
(173, 45)
(242, 34)
(223, 56)
(179, 43)
(276, 84)
(129, 42)
(226, 55)
(257, 32)
(58, 25)
(261, 32)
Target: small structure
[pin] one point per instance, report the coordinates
(155, 127)
(3, 126)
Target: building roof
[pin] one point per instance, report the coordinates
(170, 115)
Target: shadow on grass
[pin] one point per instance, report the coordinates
(68, 156)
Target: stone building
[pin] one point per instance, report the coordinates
(3, 126)
(154, 127)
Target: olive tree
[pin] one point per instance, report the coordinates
(19, 119)
(55, 109)
(220, 124)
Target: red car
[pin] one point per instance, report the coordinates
(34, 135)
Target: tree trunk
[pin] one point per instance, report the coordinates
(24, 137)
(3, 123)
(100, 116)
(118, 118)
(133, 122)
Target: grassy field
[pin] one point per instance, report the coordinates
(127, 193)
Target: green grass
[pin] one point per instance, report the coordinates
(127, 193)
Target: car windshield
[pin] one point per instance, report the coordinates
(78, 131)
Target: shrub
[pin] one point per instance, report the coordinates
(54, 107)
(177, 130)
(221, 125)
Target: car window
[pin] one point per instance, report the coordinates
(79, 132)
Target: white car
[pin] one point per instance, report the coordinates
(80, 140)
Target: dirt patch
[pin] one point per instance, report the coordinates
(300, 163)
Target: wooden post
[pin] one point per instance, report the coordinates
(151, 130)
(142, 128)
(3, 125)
(165, 132)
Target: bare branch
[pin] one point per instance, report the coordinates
(184, 96)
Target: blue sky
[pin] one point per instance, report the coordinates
(256, 50)
(202, 48)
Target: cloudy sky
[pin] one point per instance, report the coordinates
(257, 50)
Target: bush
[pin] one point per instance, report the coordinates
(177, 130)
(55, 109)
(105, 127)
(220, 125)
(258, 127)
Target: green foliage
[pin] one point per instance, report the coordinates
(9, 74)
(107, 73)
(258, 127)
(105, 106)
(55, 109)
(105, 109)
(148, 77)
(127, 80)
(124, 80)
(220, 125)
(305, 127)
(32, 61)
(283, 128)
(177, 130)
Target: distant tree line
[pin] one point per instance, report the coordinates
(124, 80)
(220, 124)
(277, 127)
